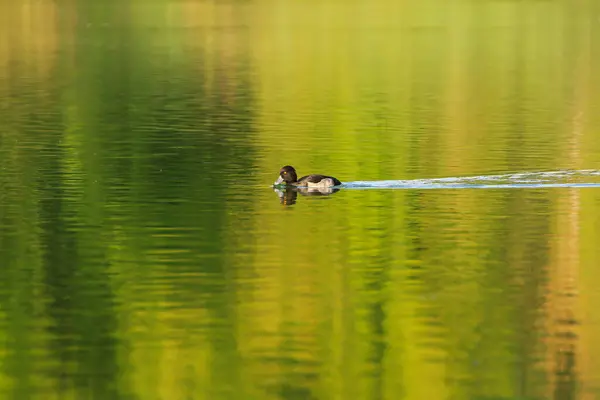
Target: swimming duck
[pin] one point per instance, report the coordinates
(288, 177)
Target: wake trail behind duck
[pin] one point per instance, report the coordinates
(544, 179)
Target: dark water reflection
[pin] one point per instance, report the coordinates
(145, 256)
(288, 196)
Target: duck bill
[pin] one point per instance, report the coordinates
(279, 181)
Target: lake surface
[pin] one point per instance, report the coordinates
(145, 255)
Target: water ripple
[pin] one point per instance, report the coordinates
(543, 179)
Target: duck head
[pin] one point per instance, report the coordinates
(287, 175)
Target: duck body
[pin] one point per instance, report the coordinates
(288, 177)
(316, 180)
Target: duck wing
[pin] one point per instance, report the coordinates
(316, 178)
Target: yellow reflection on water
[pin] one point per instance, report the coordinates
(361, 295)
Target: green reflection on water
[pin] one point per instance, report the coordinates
(144, 254)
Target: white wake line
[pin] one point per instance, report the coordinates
(545, 179)
(476, 186)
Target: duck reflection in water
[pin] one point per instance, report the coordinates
(288, 195)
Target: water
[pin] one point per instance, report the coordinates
(145, 255)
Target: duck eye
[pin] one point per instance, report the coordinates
(284, 172)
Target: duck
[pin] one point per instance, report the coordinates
(288, 177)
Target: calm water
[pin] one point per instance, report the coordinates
(144, 255)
